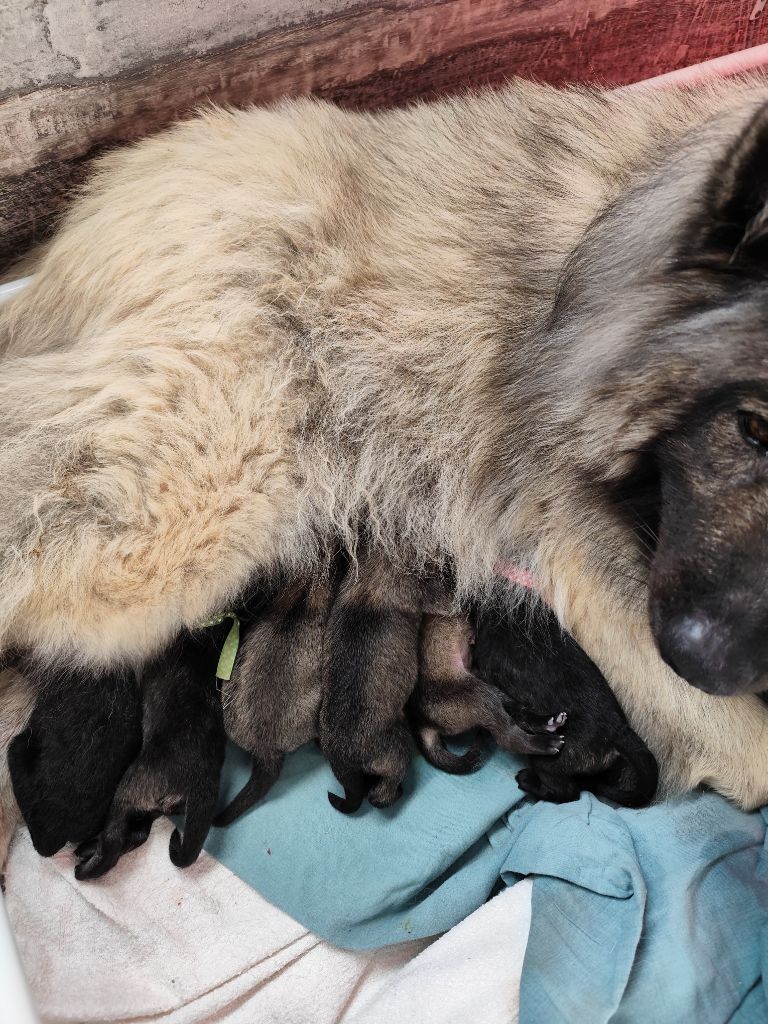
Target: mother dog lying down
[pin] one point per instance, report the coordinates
(525, 326)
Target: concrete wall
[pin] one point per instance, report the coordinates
(61, 42)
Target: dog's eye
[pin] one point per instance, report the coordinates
(754, 430)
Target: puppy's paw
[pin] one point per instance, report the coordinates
(530, 721)
(95, 858)
(518, 741)
(90, 861)
(556, 791)
(556, 721)
(345, 804)
(385, 793)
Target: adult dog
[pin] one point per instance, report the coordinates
(518, 327)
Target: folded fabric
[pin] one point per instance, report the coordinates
(655, 915)
(659, 914)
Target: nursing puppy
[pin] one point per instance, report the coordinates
(178, 767)
(372, 643)
(473, 325)
(536, 665)
(272, 702)
(65, 766)
(344, 630)
(449, 700)
(384, 657)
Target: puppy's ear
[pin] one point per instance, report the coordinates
(736, 199)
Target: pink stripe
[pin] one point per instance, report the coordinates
(720, 67)
(515, 574)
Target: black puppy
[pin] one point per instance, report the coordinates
(65, 766)
(539, 666)
(179, 765)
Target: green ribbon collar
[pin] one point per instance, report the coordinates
(230, 646)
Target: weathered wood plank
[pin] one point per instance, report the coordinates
(371, 56)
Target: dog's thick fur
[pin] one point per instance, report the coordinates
(537, 665)
(259, 329)
(17, 699)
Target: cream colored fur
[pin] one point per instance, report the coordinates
(16, 703)
(255, 330)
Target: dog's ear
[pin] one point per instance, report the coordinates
(736, 225)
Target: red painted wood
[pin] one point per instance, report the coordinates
(607, 42)
(368, 57)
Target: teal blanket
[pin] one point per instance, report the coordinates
(655, 915)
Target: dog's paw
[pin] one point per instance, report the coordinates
(530, 721)
(555, 722)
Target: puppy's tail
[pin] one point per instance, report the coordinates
(356, 785)
(633, 778)
(255, 789)
(201, 803)
(434, 750)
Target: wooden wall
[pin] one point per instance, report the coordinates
(79, 75)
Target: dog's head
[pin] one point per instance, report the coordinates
(678, 352)
(709, 573)
(708, 600)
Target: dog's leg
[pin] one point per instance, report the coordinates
(96, 857)
(184, 848)
(356, 785)
(449, 697)
(196, 502)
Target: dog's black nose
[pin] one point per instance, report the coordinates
(691, 645)
(719, 653)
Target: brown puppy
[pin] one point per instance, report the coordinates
(272, 702)
(449, 700)
(329, 661)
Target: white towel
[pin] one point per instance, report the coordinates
(200, 947)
